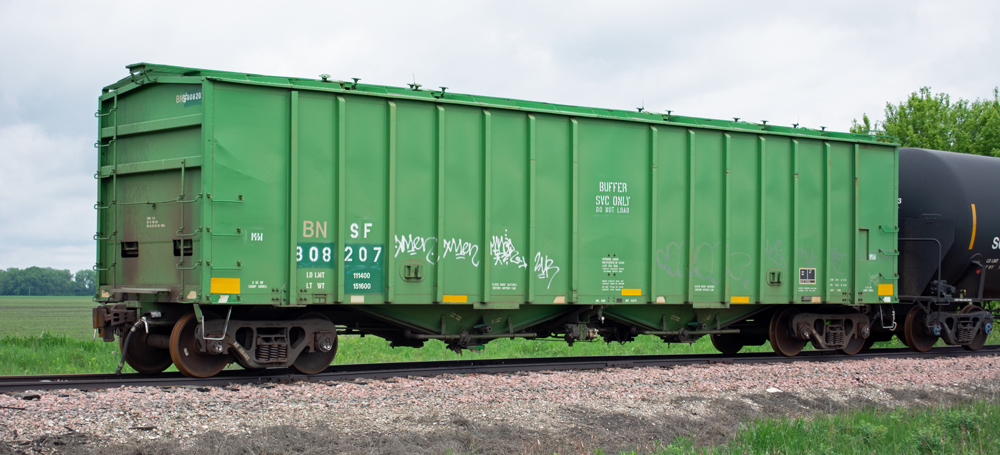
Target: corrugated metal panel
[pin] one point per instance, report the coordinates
(314, 195)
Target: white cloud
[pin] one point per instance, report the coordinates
(47, 195)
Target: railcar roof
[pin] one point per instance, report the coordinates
(140, 71)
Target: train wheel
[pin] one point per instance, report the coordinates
(315, 362)
(727, 344)
(979, 340)
(901, 336)
(185, 354)
(854, 346)
(781, 342)
(142, 357)
(869, 342)
(917, 336)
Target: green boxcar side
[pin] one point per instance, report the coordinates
(418, 207)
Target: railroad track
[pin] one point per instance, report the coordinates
(436, 368)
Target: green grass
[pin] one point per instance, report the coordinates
(354, 349)
(56, 354)
(30, 316)
(52, 335)
(963, 429)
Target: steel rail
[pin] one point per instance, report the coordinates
(436, 368)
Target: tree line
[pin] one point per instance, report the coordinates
(933, 121)
(46, 281)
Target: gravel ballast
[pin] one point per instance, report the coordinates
(546, 412)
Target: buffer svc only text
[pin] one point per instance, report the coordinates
(611, 197)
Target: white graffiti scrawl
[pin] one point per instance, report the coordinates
(461, 250)
(545, 268)
(413, 245)
(410, 244)
(503, 252)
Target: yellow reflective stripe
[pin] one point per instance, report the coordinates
(973, 240)
(225, 286)
(739, 299)
(631, 291)
(456, 298)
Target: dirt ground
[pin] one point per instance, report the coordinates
(639, 424)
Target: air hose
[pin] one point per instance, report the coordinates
(128, 338)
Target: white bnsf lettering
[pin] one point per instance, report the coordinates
(188, 97)
(354, 230)
(996, 243)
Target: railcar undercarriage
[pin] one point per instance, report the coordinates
(202, 342)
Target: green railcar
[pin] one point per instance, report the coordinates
(253, 218)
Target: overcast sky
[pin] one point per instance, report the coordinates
(813, 63)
